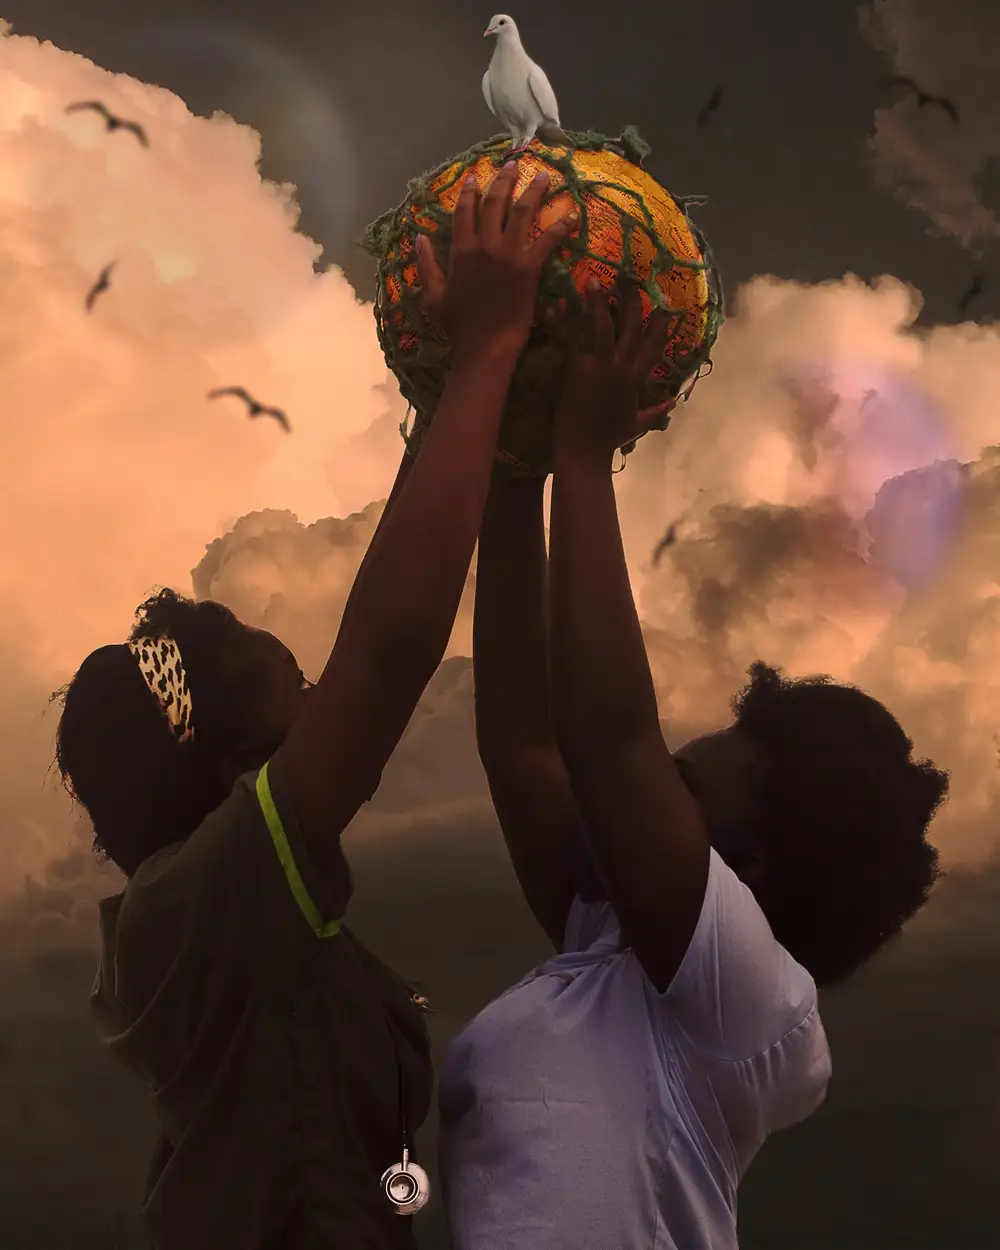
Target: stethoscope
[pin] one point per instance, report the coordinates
(405, 1184)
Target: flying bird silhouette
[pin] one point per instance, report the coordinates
(100, 286)
(254, 409)
(711, 106)
(111, 122)
(922, 97)
(974, 291)
(668, 540)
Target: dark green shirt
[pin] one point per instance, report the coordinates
(260, 1024)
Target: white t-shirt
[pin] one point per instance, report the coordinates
(582, 1110)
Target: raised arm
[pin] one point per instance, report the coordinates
(517, 744)
(407, 593)
(645, 829)
(402, 473)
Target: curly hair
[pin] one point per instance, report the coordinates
(115, 752)
(842, 814)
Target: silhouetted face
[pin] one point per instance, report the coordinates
(268, 688)
(723, 770)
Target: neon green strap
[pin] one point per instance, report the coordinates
(322, 928)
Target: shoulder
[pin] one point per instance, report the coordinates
(242, 880)
(775, 1089)
(180, 873)
(744, 1012)
(737, 991)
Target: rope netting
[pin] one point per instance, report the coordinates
(417, 352)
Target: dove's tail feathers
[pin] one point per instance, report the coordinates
(552, 132)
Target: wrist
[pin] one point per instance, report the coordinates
(494, 358)
(578, 454)
(513, 486)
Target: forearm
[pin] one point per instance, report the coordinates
(602, 688)
(528, 780)
(406, 596)
(402, 473)
(509, 632)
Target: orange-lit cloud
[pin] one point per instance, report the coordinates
(119, 469)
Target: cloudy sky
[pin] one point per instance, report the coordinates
(835, 483)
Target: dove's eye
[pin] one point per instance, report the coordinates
(502, 22)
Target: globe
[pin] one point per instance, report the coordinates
(629, 221)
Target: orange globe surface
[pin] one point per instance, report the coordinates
(618, 201)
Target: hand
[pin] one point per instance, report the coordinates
(487, 301)
(598, 410)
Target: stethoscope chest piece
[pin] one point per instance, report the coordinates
(406, 1185)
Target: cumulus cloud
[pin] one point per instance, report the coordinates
(824, 522)
(944, 170)
(123, 469)
(119, 470)
(294, 579)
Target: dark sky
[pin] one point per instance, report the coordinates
(904, 1154)
(783, 161)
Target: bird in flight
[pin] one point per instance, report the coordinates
(668, 540)
(100, 286)
(974, 291)
(254, 409)
(922, 97)
(111, 122)
(711, 106)
(517, 91)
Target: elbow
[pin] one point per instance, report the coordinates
(509, 761)
(579, 743)
(588, 722)
(578, 750)
(584, 740)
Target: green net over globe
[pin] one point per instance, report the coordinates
(629, 223)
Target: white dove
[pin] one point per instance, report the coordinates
(517, 91)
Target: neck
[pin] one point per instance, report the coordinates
(246, 761)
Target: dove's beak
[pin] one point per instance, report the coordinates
(490, 30)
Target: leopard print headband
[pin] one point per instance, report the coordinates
(160, 664)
